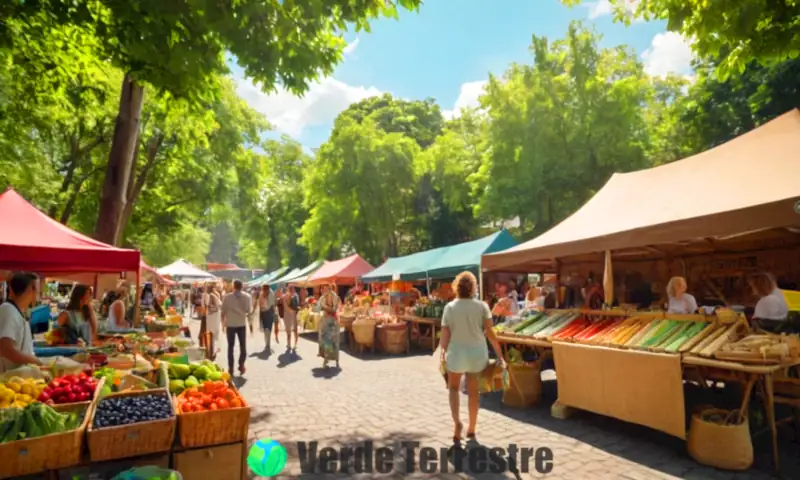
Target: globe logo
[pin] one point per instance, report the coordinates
(266, 458)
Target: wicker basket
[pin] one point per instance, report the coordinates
(111, 443)
(347, 321)
(393, 337)
(364, 331)
(217, 427)
(728, 447)
(525, 385)
(50, 452)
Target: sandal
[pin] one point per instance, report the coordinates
(471, 436)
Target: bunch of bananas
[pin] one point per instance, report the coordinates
(19, 392)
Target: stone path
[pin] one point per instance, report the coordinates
(391, 400)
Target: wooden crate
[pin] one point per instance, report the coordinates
(109, 470)
(144, 438)
(222, 462)
(50, 452)
(217, 427)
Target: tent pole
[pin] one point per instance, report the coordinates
(138, 299)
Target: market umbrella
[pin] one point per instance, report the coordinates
(608, 280)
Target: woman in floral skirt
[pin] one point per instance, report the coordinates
(329, 326)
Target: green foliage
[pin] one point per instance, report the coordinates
(188, 241)
(738, 32)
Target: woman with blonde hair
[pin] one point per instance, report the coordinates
(118, 309)
(680, 302)
(466, 325)
(771, 310)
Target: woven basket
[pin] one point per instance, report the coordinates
(728, 447)
(525, 385)
(50, 452)
(364, 331)
(144, 438)
(217, 427)
(393, 338)
(346, 321)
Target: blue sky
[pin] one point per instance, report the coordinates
(446, 51)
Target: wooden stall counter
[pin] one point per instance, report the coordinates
(640, 387)
(435, 324)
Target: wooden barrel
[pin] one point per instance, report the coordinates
(364, 331)
(393, 337)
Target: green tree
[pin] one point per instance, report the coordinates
(181, 46)
(560, 128)
(359, 191)
(737, 32)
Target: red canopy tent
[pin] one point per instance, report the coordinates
(30, 240)
(341, 272)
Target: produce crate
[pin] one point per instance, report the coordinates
(144, 438)
(201, 429)
(109, 470)
(50, 452)
(91, 402)
(220, 462)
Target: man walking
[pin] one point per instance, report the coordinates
(290, 307)
(235, 309)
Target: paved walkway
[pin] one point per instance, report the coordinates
(390, 400)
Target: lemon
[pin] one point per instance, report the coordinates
(4, 404)
(16, 387)
(15, 379)
(19, 404)
(27, 389)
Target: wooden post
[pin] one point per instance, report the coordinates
(138, 299)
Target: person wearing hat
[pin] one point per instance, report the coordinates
(329, 325)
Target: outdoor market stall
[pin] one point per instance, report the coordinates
(267, 277)
(437, 264)
(182, 270)
(640, 360)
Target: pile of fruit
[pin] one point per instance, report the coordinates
(122, 410)
(55, 337)
(211, 396)
(69, 389)
(20, 392)
(35, 420)
(193, 375)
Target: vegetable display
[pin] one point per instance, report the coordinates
(211, 396)
(20, 392)
(69, 389)
(35, 420)
(193, 375)
(125, 410)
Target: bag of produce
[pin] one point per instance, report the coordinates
(26, 371)
(149, 473)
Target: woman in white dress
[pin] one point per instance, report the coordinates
(772, 310)
(118, 309)
(680, 302)
(214, 314)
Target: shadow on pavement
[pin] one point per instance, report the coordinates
(321, 372)
(262, 355)
(644, 445)
(304, 458)
(287, 358)
(239, 381)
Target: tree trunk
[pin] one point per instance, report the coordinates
(115, 187)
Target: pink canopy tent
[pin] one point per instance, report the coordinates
(341, 272)
(30, 240)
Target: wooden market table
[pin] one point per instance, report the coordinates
(693, 368)
(434, 323)
(750, 375)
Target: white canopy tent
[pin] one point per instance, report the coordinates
(182, 270)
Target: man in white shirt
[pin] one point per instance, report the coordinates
(16, 339)
(235, 309)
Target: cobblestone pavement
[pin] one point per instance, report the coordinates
(393, 399)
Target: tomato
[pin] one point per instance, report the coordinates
(236, 403)
(222, 403)
(213, 407)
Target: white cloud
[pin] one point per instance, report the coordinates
(467, 98)
(602, 8)
(323, 101)
(598, 9)
(669, 52)
(291, 114)
(351, 47)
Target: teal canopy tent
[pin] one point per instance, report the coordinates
(442, 262)
(302, 275)
(282, 279)
(267, 277)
